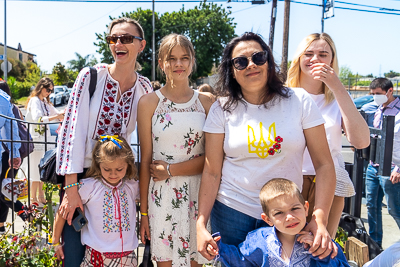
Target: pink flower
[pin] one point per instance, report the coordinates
(191, 204)
(165, 242)
(178, 195)
(185, 244)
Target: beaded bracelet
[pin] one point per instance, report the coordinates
(71, 185)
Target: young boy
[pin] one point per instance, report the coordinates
(284, 209)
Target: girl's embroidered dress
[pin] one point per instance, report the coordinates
(110, 235)
(173, 203)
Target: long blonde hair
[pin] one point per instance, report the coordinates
(293, 77)
(44, 83)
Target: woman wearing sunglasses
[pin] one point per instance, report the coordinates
(314, 68)
(40, 109)
(255, 132)
(112, 110)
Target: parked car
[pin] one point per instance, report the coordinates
(60, 95)
(362, 100)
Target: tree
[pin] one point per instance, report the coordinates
(391, 74)
(60, 74)
(81, 62)
(208, 26)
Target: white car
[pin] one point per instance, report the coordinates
(60, 95)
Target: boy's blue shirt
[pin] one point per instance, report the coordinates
(263, 248)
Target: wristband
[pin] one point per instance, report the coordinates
(144, 214)
(169, 173)
(71, 185)
(54, 245)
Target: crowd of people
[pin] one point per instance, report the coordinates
(255, 158)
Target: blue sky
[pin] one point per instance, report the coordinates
(54, 31)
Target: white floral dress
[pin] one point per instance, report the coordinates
(173, 203)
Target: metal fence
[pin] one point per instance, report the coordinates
(47, 143)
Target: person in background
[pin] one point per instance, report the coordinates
(370, 109)
(256, 132)
(314, 68)
(206, 88)
(40, 109)
(378, 186)
(156, 85)
(6, 109)
(285, 210)
(112, 110)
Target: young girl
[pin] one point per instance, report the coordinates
(109, 202)
(172, 157)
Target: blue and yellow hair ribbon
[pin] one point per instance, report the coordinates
(112, 138)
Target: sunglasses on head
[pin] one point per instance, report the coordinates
(124, 39)
(49, 90)
(258, 58)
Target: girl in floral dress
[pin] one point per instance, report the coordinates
(170, 124)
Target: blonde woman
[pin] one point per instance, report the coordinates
(40, 109)
(172, 157)
(314, 68)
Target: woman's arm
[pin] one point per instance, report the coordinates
(59, 223)
(354, 125)
(146, 107)
(209, 186)
(325, 188)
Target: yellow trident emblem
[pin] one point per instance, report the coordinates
(261, 147)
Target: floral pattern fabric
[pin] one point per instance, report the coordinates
(173, 203)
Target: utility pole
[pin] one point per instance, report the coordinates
(323, 14)
(272, 27)
(285, 40)
(153, 48)
(5, 43)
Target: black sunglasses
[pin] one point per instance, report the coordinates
(49, 90)
(258, 58)
(125, 39)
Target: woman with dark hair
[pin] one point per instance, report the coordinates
(40, 109)
(255, 132)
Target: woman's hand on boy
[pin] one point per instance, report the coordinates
(204, 239)
(158, 170)
(211, 250)
(306, 238)
(323, 245)
(144, 229)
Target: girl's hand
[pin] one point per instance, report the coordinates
(325, 73)
(70, 202)
(211, 250)
(158, 170)
(144, 229)
(306, 238)
(205, 242)
(323, 244)
(59, 253)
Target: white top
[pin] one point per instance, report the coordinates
(40, 109)
(333, 128)
(86, 119)
(103, 205)
(261, 144)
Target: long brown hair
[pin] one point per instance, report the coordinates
(43, 84)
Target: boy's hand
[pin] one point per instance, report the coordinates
(211, 250)
(59, 252)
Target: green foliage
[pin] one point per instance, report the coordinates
(18, 89)
(363, 83)
(208, 26)
(29, 247)
(81, 62)
(60, 74)
(341, 236)
(391, 74)
(18, 69)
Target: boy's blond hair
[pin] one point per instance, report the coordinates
(278, 187)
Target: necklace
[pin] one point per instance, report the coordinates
(291, 251)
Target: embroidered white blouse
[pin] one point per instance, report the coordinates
(86, 119)
(110, 211)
